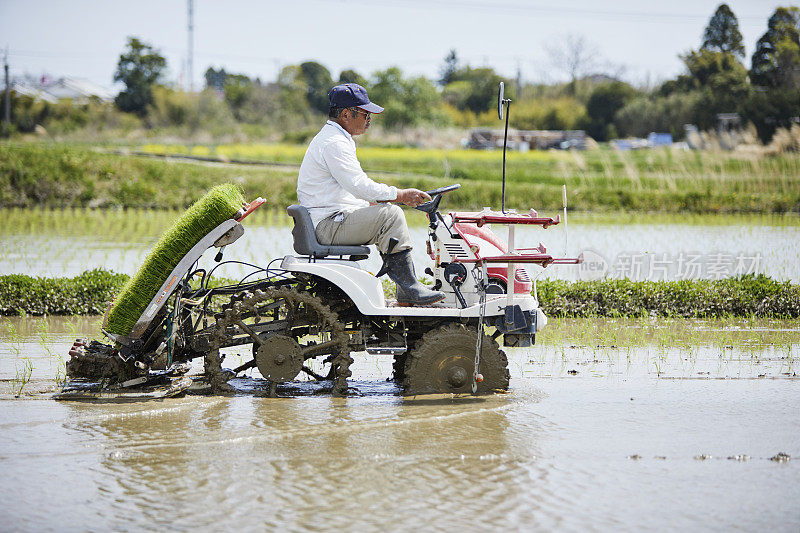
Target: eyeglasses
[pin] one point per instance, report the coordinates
(366, 114)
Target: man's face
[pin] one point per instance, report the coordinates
(355, 120)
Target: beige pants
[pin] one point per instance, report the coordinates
(375, 224)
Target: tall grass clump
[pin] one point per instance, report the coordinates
(218, 205)
(746, 295)
(85, 294)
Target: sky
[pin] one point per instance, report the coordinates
(639, 40)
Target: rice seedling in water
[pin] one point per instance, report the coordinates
(55, 358)
(15, 339)
(24, 368)
(43, 334)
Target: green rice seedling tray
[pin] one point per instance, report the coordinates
(222, 235)
(200, 227)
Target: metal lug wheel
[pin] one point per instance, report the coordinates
(444, 360)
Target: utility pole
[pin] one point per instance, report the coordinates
(8, 91)
(277, 63)
(190, 59)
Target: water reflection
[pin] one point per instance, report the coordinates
(301, 463)
(553, 453)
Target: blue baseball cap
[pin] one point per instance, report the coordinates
(352, 95)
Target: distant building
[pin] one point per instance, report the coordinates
(487, 139)
(728, 134)
(654, 140)
(659, 139)
(76, 89)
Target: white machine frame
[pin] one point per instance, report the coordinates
(366, 292)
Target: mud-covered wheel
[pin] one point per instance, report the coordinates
(286, 328)
(444, 361)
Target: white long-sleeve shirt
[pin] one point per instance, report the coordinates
(331, 179)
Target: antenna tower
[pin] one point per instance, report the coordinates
(190, 58)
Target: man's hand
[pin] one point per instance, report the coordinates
(412, 197)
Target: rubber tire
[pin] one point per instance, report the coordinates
(441, 350)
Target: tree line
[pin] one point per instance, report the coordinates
(715, 80)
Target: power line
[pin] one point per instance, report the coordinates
(529, 10)
(48, 55)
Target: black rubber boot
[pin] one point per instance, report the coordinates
(409, 290)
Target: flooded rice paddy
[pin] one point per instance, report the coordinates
(67, 242)
(609, 424)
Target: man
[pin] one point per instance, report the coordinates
(346, 206)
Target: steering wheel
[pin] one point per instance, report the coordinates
(442, 190)
(432, 205)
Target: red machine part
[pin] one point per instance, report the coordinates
(252, 206)
(473, 234)
(489, 217)
(472, 224)
(78, 347)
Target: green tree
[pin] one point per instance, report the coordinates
(292, 91)
(772, 109)
(238, 90)
(215, 79)
(720, 81)
(722, 33)
(406, 101)
(449, 68)
(139, 68)
(721, 71)
(551, 113)
(27, 112)
(474, 89)
(190, 112)
(483, 96)
(715, 80)
(644, 114)
(603, 104)
(262, 106)
(776, 59)
(318, 84)
(351, 76)
(456, 93)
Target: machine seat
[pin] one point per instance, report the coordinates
(305, 240)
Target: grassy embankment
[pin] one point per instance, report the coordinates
(58, 175)
(747, 296)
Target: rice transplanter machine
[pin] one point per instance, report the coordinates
(320, 305)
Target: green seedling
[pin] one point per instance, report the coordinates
(15, 338)
(24, 369)
(218, 205)
(43, 335)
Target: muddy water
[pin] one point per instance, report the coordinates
(634, 431)
(65, 243)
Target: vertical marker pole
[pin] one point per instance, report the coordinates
(566, 232)
(505, 141)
